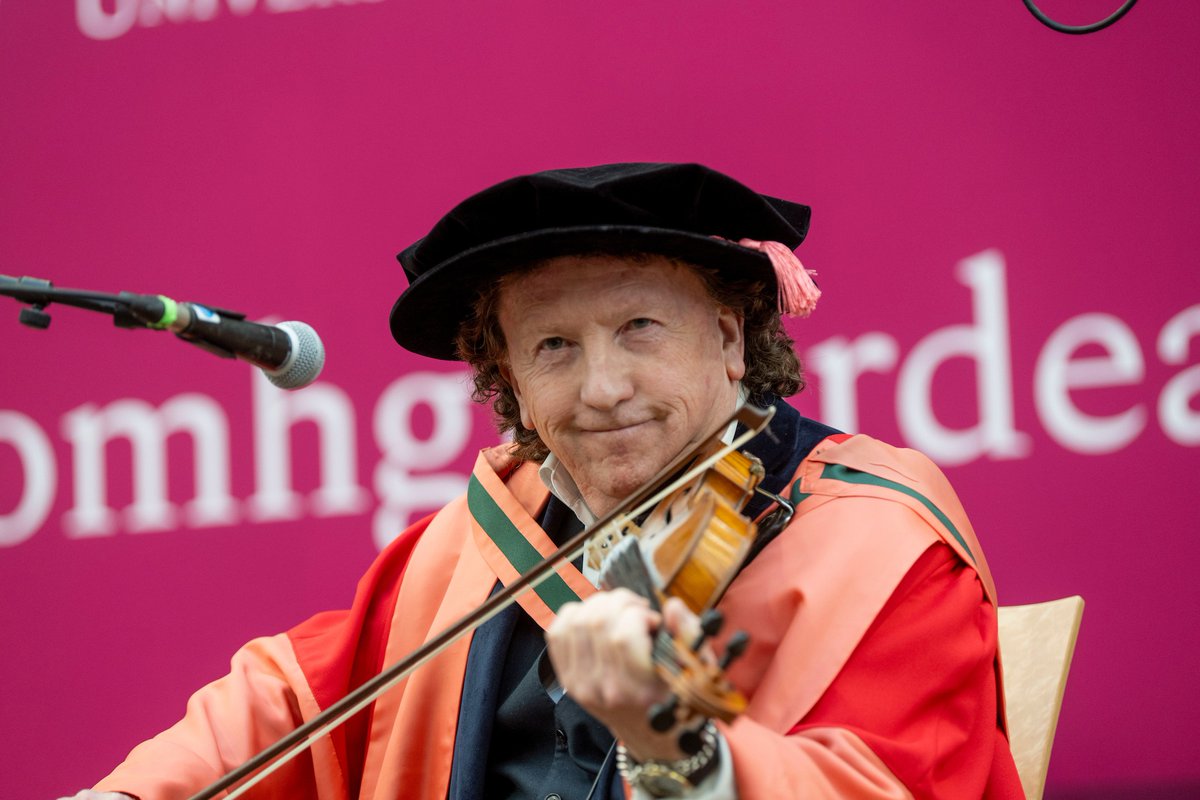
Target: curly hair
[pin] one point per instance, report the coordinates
(772, 368)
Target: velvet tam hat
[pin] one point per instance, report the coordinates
(674, 210)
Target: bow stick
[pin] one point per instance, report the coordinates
(271, 758)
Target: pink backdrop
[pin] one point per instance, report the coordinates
(1005, 227)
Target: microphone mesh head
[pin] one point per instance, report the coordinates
(306, 360)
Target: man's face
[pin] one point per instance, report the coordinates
(619, 366)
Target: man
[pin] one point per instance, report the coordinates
(616, 316)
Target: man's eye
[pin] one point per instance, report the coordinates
(554, 343)
(640, 322)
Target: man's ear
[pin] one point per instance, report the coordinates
(506, 375)
(733, 344)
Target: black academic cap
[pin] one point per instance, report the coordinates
(674, 210)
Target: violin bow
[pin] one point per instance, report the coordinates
(273, 757)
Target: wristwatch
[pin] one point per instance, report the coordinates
(672, 778)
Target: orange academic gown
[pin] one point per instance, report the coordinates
(872, 671)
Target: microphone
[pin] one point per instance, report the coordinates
(290, 353)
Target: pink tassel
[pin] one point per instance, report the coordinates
(798, 294)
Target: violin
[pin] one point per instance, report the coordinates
(689, 546)
(682, 535)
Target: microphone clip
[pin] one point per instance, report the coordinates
(160, 313)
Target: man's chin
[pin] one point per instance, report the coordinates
(629, 482)
(615, 474)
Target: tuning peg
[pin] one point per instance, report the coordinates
(710, 625)
(662, 715)
(690, 741)
(734, 648)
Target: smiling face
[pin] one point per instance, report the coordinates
(618, 366)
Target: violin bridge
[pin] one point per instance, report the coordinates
(602, 542)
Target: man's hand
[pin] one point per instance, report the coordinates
(601, 651)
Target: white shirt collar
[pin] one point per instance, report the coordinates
(560, 483)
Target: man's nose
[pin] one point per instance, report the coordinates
(607, 378)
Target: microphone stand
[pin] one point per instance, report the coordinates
(38, 293)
